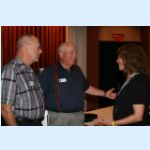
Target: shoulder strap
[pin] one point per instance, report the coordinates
(57, 87)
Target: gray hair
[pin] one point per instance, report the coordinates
(64, 46)
(25, 40)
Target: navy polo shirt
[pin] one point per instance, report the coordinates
(72, 85)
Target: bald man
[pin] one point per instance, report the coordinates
(21, 95)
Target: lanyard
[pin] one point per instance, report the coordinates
(127, 81)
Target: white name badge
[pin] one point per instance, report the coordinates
(62, 80)
(31, 83)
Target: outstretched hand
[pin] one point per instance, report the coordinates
(110, 94)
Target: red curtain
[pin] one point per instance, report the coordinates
(50, 38)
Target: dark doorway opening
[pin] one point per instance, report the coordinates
(109, 75)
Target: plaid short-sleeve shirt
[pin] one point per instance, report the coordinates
(21, 89)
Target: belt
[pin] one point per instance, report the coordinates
(20, 119)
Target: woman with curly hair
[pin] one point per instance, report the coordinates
(132, 101)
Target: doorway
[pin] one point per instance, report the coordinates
(109, 75)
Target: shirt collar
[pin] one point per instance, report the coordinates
(71, 69)
(22, 65)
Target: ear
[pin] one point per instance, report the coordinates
(61, 54)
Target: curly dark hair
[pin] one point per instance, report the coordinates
(134, 57)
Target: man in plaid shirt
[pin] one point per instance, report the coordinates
(21, 95)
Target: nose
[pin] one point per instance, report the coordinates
(40, 51)
(117, 60)
(75, 54)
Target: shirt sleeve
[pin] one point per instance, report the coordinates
(140, 91)
(8, 84)
(84, 81)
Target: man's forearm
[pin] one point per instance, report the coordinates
(10, 120)
(8, 115)
(95, 91)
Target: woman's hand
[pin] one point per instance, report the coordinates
(103, 122)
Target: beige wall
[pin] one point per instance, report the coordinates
(78, 36)
(130, 33)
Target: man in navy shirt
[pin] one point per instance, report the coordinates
(64, 86)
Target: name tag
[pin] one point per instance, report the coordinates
(31, 83)
(62, 80)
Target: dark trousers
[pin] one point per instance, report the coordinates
(28, 122)
(24, 122)
(2, 121)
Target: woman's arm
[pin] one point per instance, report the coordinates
(133, 118)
